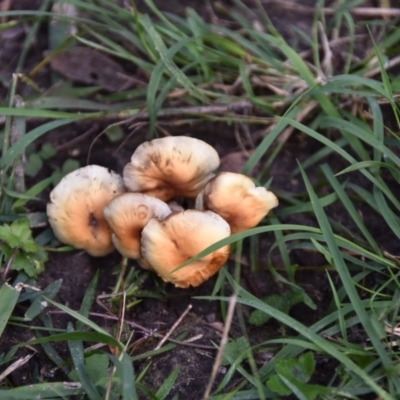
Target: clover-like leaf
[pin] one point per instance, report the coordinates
(235, 350)
(293, 370)
(282, 302)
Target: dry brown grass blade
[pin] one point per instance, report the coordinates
(356, 11)
(285, 135)
(174, 326)
(15, 365)
(222, 346)
(390, 64)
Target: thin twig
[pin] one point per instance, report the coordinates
(214, 109)
(120, 323)
(327, 60)
(336, 42)
(221, 350)
(176, 112)
(285, 135)
(5, 6)
(143, 329)
(174, 326)
(121, 316)
(78, 139)
(8, 265)
(103, 132)
(17, 131)
(15, 365)
(135, 128)
(356, 11)
(239, 140)
(391, 63)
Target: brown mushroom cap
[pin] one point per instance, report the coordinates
(127, 214)
(182, 235)
(75, 210)
(237, 200)
(172, 166)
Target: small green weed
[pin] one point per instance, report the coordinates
(19, 249)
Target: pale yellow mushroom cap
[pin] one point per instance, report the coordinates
(172, 166)
(182, 235)
(75, 210)
(237, 200)
(127, 214)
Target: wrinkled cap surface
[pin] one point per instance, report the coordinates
(127, 214)
(172, 166)
(237, 200)
(75, 210)
(182, 235)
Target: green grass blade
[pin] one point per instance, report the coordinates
(83, 336)
(87, 301)
(376, 181)
(47, 390)
(341, 319)
(385, 78)
(242, 235)
(285, 227)
(367, 164)
(39, 304)
(378, 126)
(162, 50)
(269, 140)
(252, 301)
(349, 206)
(78, 358)
(124, 371)
(345, 276)
(8, 298)
(27, 112)
(51, 352)
(115, 50)
(304, 207)
(338, 82)
(369, 139)
(167, 385)
(390, 217)
(319, 155)
(19, 147)
(83, 319)
(152, 353)
(64, 103)
(162, 17)
(155, 80)
(32, 192)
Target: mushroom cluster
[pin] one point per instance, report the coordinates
(97, 210)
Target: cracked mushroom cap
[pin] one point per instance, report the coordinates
(237, 200)
(75, 210)
(170, 167)
(182, 235)
(127, 214)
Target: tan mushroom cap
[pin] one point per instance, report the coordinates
(237, 200)
(172, 166)
(182, 235)
(127, 214)
(75, 210)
